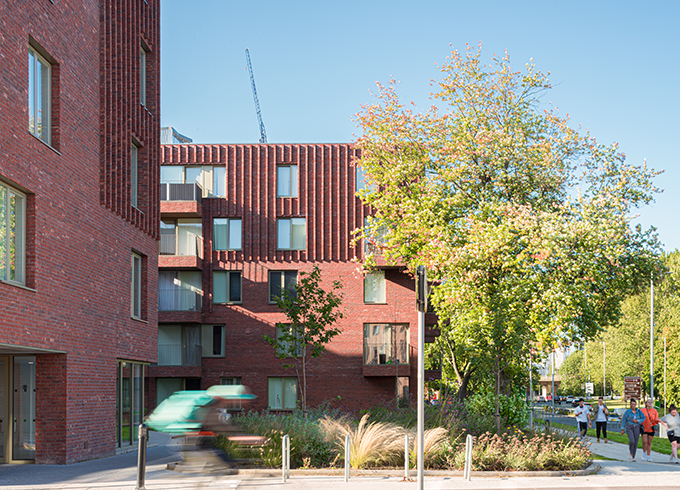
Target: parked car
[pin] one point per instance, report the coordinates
(569, 399)
(541, 399)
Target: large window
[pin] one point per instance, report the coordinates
(375, 236)
(130, 403)
(180, 291)
(219, 180)
(12, 235)
(136, 286)
(142, 74)
(280, 280)
(290, 233)
(179, 345)
(282, 393)
(226, 286)
(226, 233)
(134, 174)
(374, 287)
(181, 237)
(212, 340)
(286, 181)
(386, 343)
(39, 96)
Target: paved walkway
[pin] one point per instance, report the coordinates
(119, 472)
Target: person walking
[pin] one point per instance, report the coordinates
(582, 413)
(672, 422)
(601, 413)
(651, 421)
(630, 424)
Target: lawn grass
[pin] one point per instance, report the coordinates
(659, 444)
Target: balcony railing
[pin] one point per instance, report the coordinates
(178, 355)
(179, 300)
(386, 353)
(186, 245)
(171, 191)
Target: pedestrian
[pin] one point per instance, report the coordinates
(630, 424)
(672, 423)
(648, 427)
(582, 413)
(601, 413)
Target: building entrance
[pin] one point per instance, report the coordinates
(17, 409)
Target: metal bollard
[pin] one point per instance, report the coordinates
(347, 457)
(407, 476)
(141, 458)
(468, 458)
(285, 457)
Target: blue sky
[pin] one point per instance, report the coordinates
(613, 64)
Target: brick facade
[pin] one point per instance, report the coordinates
(328, 202)
(73, 310)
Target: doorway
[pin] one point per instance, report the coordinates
(17, 409)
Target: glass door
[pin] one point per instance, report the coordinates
(23, 413)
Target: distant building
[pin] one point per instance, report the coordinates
(79, 214)
(170, 136)
(240, 222)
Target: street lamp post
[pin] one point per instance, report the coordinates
(651, 343)
(421, 304)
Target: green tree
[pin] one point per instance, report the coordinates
(312, 312)
(522, 222)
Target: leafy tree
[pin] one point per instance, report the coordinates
(522, 221)
(312, 312)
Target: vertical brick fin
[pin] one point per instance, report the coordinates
(124, 24)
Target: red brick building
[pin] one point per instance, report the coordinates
(239, 222)
(79, 214)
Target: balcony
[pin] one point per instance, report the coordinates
(182, 253)
(179, 355)
(181, 200)
(388, 358)
(180, 300)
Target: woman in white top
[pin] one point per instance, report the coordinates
(672, 423)
(601, 412)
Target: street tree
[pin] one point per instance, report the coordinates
(522, 221)
(312, 313)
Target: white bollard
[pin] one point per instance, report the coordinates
(347, 457)
(407, 477)
(285, 457)
(468, 458)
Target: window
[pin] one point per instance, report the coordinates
(286, 181)
(12, 235)
(290, 233)
(181, 237)
(386, 343)
(227, 286)
(280, 280)
(179, 345)
(291, 347)
(142, 74)
(130, 402)
(282, 393)
(219, 179)
(180, 291)
(374, 287)
(136, 303)
(375, 235)
(361, 179)
(226, 233)
(134, 173)
(212, 340)
(39, 96)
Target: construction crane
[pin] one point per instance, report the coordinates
(263, 133)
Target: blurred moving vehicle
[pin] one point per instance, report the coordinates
(201, 415)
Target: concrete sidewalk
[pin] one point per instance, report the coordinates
(119, 472)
